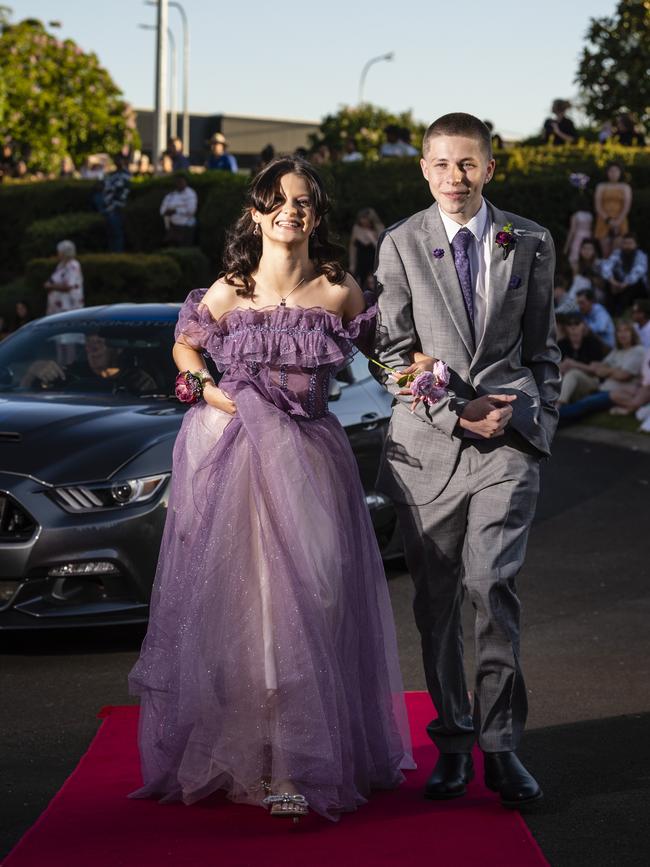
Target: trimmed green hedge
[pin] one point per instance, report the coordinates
(196, 269)
(530, 181)
(111, 277)
(86, 229)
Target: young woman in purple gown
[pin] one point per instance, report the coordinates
(270, 668)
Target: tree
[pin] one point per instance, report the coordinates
(365, 123)
(55, 100)
(614, 70)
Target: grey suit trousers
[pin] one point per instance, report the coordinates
(472, 539)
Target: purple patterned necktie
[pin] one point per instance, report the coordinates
(459, 245)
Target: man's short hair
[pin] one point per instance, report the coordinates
(589, 294)
(459, 123)
(643, 306)
(631, 235)
(570, 319)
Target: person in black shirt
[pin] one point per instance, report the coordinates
(579, 348)
(559, 130)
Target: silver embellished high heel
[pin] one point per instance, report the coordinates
(287, 806)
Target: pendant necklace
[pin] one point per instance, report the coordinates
(283, 298)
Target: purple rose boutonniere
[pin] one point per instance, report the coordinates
(505, 239)
(438, 253)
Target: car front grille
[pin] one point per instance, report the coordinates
(16, 525)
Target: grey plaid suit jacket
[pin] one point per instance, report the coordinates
(421, 308)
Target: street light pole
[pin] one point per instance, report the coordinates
(173, 83)
(364, 71)
(186, 72)
(160, 110)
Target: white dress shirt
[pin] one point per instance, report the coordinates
(184, 203)
(479, 252)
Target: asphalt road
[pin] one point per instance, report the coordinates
(586, 649)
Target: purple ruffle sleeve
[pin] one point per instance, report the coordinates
(195, 324)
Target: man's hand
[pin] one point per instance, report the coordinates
(488, 416)
(46, 372)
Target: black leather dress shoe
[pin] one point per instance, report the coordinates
(505, 774)
(450, 776)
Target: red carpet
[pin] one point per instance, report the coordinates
(90, 822)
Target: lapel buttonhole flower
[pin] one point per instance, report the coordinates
(505, 239)
(438, 253)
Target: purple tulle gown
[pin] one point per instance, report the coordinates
(271, 648)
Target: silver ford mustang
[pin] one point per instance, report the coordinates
(87, 426)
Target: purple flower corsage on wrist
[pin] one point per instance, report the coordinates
(188, 387)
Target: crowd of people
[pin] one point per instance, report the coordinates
(623, 129)
(602, 304)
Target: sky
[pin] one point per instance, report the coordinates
(504, 62)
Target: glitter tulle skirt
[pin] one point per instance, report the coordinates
(271, 649)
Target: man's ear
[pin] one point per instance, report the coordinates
(490, 170)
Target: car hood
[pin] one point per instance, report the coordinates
(65, 440)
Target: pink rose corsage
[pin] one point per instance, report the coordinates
(188, 387)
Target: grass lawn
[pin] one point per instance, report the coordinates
(624, 423)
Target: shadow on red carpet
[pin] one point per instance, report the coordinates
(91, 823)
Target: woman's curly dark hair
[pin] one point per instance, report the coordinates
(243, 248)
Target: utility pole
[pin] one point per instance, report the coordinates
(186, 72)
(160, 110)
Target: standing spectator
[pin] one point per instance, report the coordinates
(404, 140)
(65, 288)
(363, 245)
(627, 133)
(114, 195)
(68, 169)
(267, 155)
(596, 317)
(350, 152)
(178, 158)
(178, 210)
(320, 155)
(219, 159)
(559, 130)
(612, 203)
(626, 272)
(587, 271)
(582, 220)
(641, 319)
(497, 141)
(22, 314)
(392, 146)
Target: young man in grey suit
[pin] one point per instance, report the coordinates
(473, 286)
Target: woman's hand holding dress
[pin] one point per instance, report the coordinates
(218, 398)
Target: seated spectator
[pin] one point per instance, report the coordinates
(219, 159)
(626, 272)
(178, 210)
(596, 318)
(65, 288)
(600, 378)
(587, 269)
(641, 319)
(559, 130)
(562, 300)
(580, 348)
(350, 152)
(635, 396)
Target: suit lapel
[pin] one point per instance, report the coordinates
(500, 275)
(433, 237)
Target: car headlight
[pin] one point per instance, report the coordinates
(109, 495)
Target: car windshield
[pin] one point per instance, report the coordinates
(90, 357)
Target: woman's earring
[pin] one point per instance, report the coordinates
(256, 230)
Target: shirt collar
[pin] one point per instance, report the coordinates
(476, 225)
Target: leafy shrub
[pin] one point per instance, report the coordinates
(195, 266)
(110, 277)
(86, 229)
(222, 207)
